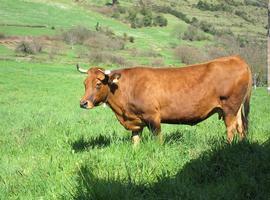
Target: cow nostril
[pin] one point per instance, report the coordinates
(83, 104)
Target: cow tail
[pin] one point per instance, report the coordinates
(246, 106)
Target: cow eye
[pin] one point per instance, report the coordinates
(98, 85)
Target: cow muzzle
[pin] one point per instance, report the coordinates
(86, 104)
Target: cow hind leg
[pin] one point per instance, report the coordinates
(240, 126)
(231, 126)
(155, 127)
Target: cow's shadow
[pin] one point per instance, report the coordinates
(237, 171)
(174, 137)
(101, 141)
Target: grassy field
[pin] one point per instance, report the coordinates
(52, 149)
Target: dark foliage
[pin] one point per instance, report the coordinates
(29, 47)
(258, 3)
(102, 38)
(202, 5)
(160, 20)
(194, 34)
(176, 13)
(2, 36)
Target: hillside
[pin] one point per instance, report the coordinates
(150, 45)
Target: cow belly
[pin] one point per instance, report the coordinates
(190, 115)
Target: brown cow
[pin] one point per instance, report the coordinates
(145, 96)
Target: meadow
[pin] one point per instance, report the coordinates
(50, 148)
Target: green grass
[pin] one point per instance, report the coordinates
(51, 149)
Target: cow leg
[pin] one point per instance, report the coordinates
(240, 126)
(136, 137)
(155, 128)
(231, 124)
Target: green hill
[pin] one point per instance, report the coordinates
(151, 44)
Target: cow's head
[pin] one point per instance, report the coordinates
(98, 84)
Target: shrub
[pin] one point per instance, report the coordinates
(29, 47)
(160, 20)
(132, 14)
(116, 15)
(145, 11)
(77, 35)
(258, 3)
(157, 62)
(104, 38)
(190, 55)
(207, 27)
(121, 9)
(252, 50)
(147, 20)
(131, 39)
(202, 5)
(101, 41)
(2, 36)
(101, 57)
(216, 52)
(243, 14)
(176, 13)
(192, 33)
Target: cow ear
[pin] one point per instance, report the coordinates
(115, 78)
(101, 76)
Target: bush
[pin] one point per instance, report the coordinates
(202, 5)
(157, 62)
(216, 52)
(2, 36)
(160, 20)
(207, 27)
(101, 41)
(194, 34)
(258, 3)
(243, 14)
(29, 47)
(132, 14)
(121, 9)
(116, 15)
(131, 39)
(250, 49)
(77, 35)
(147, 20)
(101, 57)
(190, 55)
(176, 13)
(104, 38)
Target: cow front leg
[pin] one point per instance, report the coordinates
(136, 137)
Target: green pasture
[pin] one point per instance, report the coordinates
(52, 149)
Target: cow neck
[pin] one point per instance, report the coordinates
(114, 104)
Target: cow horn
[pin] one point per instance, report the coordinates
(84, 71)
